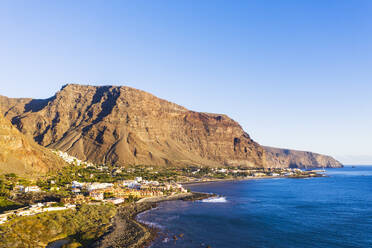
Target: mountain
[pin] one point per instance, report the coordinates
(122, 125)
(21, 155)
(280, 158)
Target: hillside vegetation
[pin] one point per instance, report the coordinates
(83, 225)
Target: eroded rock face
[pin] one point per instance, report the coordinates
(123, 125)
(283, 158)
(21, 155)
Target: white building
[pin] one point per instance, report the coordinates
(154, 183)
(75, 190)
(32, 189)
(76, 184)
(115, 200)
(132, 184)
(3, 218)
(94, 186)
(20, 188)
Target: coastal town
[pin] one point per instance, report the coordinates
(86, 183)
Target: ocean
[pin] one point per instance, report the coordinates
(334, 211)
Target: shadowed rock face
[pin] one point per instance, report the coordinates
(123, 125)
(282, 158)
(21, 155)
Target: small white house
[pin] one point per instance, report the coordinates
(3, 218)
(94, 186)
(32, 189)
(115, 200)
(76, 184)
(75, 190)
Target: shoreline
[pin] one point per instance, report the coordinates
(248, 179)
(192, 196)
(127, 231)
(232, 180)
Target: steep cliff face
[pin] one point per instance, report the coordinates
(21, 155)
(123, 125)
(284, 158)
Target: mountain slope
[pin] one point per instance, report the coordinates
(123, 125)
(23, 156)
(282, 158)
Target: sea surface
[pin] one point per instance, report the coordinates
(334, 211)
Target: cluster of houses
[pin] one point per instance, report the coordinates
(26, 189)
(258, 172)
(121, 190)
(34, 209)
(118, 192)
(71, 159)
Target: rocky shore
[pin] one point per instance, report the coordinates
(189, 196)
(127, 232)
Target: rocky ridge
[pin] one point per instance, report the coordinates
(122, 125)
(282, 158)
(21, 155)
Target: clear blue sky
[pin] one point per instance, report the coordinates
(295, 74)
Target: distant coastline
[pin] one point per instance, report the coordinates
(271, 212)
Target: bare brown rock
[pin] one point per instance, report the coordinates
(123, 125)
(283, 158)
(21, 155)
(126, 126)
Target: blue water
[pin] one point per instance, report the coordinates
(334, 211)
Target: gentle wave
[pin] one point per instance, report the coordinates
(140, 219)
(218, 199)
(151, 224)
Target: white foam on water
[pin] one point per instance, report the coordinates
(166, 240)
(217, 199)
(151, 224)
(139, 218)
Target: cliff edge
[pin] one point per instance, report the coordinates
(285, 158)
